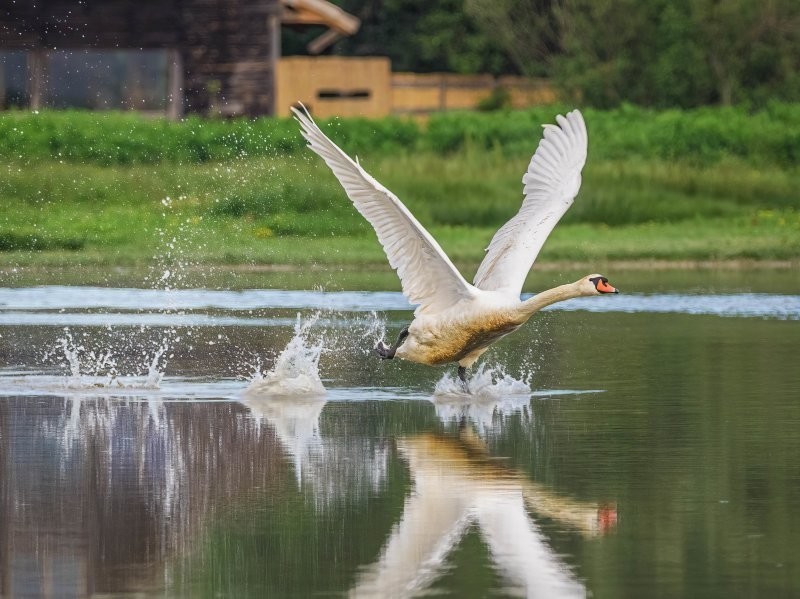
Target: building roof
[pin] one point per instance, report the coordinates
(320, 12)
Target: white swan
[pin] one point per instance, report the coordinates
(455, 321)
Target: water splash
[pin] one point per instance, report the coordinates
(494, 395)
(98, 369)
(488, 382)
(83, 363)
(296, 369)
(374, 327)
(154, 375)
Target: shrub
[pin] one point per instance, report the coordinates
(701, 136)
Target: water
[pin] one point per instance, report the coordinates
(197, 442)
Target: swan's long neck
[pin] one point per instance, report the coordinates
(557, 294)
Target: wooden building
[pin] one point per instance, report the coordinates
(222, 54)
(216, 57)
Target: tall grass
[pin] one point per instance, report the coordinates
(108, 138)
(700, 136)
(276, 209)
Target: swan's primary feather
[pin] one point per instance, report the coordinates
(551, 183)
(427, 275)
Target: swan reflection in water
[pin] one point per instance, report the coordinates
(118, 494)
(295, 421)
(459, 486)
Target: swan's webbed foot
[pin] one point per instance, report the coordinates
(384, 351)
(462, 375)
(387, 353)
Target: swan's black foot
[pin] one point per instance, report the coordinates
(387, 353)
(462, 375)
(384, 351)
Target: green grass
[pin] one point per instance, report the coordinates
(770, 136)
(118, 189)
(290, 210)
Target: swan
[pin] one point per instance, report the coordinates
(455, 321)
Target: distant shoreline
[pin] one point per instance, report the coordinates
(559, 265)
(632, 265)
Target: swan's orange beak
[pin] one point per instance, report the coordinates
(603, 287)
(607, 518)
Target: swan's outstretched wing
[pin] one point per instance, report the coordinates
(551, 183)
(427, 275)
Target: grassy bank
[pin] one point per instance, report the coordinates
(286, 208)
(293, 212)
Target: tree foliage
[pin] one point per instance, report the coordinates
(527, 29)
(660, 53)
(417, 35)
(679, 52)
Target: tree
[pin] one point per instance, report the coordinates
(657, 53)
(417, 35)
(751, 47)
(527, 29)
(679, 52)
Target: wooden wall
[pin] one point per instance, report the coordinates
(349, 86)
(226, 48)
(423, 93)
(230, 48)
(69, 24)
(335, 85)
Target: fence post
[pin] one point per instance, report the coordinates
(174, 85)
(37, 77)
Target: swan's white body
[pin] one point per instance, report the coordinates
(454, 320)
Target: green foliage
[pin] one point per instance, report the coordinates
(527, 30)
(11, 241)
(703, 135)
(126, 138)
(417, 35)
(499, 98)
(684, 53)
(659, 53)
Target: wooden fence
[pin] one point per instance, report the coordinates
(414, 93)
(347, 86)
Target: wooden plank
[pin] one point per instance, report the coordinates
(416, 93)
(335, 85)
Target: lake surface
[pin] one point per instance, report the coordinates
(160, 442)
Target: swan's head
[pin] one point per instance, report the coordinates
(596, 285)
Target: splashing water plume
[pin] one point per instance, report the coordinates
(487, 382)
(154, 375)
(98, 368)
(296, 370)
(494, 396)
(91, 369)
